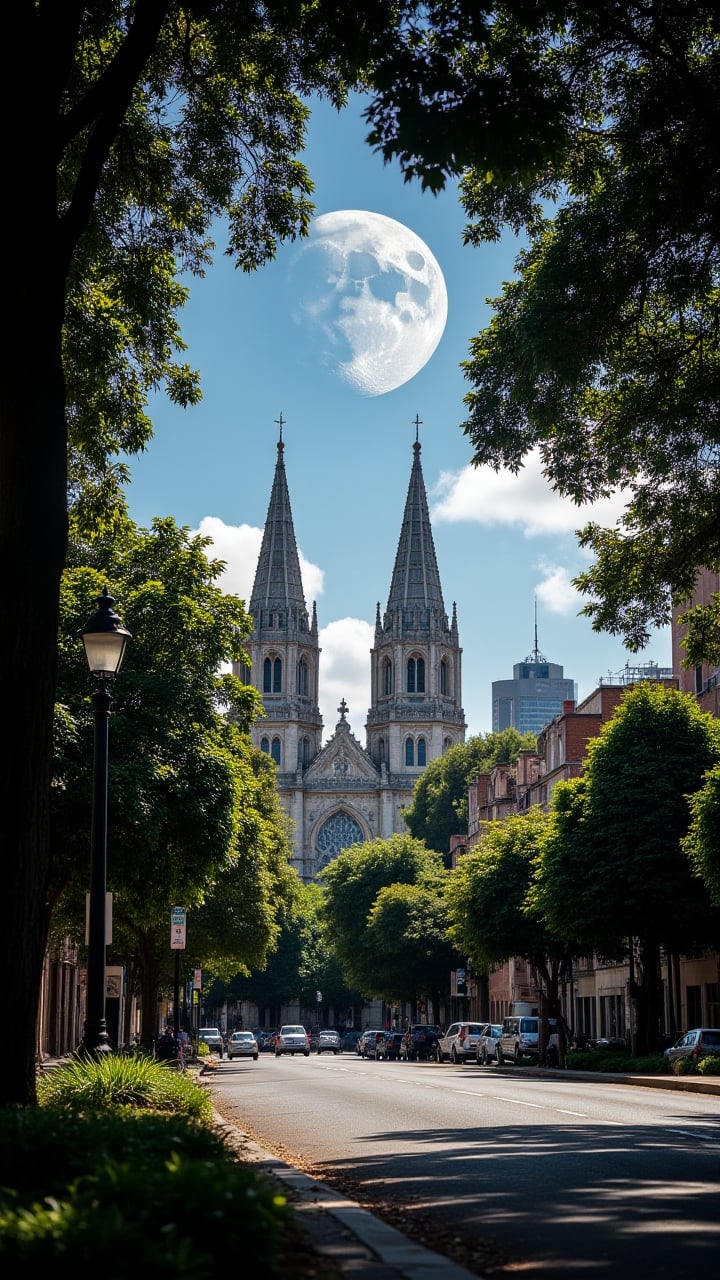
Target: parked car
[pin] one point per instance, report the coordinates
(292, 1039)
(519, 1038)
(393, 1045)
(360, 1046)
(264, 1037)
(701, 1042)
(242, 1044)
(328, 1042)
(420, 1042)
(370, 1041)
(459, 1042)
(486, 1049)
(212, 1037)
(350, 1040)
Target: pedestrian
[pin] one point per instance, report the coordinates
(166, 1047)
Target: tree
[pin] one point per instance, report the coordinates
(575, 125)
(353, 882)
(612, 875)
(702, 842)
(492, 915)
(194, 816)
(301, 964)
(150, 120)
(439, 807)
(408, 934)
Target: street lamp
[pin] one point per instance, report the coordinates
(104, 637)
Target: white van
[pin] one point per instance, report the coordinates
(519, 1038)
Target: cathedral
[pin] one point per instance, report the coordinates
(341, 793)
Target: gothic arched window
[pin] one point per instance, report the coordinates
(277, 676)
(267, 676)
(381, 750)
(339, 832)
(265, 745)
(409, 752)
(302, 678)
(443, 677)
(416, 675)
(387, 680)
(421, 751)
(305, 753)
(275, 751)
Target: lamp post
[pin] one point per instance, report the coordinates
(104, 638)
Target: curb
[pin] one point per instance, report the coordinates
(360, 1244)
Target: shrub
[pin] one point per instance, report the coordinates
(120, 1163)
(709, 1066)
(86, 1084)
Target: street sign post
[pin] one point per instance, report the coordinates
(177, 929)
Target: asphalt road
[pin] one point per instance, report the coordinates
(557, 1179)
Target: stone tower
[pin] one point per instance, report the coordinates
(343, 793)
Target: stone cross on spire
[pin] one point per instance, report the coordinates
(343, 709)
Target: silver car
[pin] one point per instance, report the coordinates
(701, 1042)
(292, 1039)
(328, 1042)
(486, 1049)
(242, 1044)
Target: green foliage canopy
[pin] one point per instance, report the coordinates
(439, 807)
(487, 895)
(353, 882)
(576, 126)
(194, 817)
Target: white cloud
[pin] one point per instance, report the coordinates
(526, 501)
(345, 673)
(555, 590)
(239, 547)
(345, 644)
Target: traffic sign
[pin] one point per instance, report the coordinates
(177, 929)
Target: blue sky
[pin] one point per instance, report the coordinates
(503, 543)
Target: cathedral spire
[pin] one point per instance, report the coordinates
(416, 579)
(278, 581)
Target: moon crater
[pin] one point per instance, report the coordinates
(369, 299)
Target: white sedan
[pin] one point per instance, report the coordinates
(242, 1044)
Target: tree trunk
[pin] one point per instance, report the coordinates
(33, 545)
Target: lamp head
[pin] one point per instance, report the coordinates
(104, 637)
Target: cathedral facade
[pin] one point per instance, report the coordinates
(341, 793)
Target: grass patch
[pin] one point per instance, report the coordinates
(120, 1165)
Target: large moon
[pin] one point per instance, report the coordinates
(369, 297)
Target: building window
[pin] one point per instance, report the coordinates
(275, 751)
(302, 678)
(339, 832)
(422, 752)
(272, 676)
(381, 749)
(409, 752)
(387, 680)
(443, 678)
(265, 745)
(416, 675)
